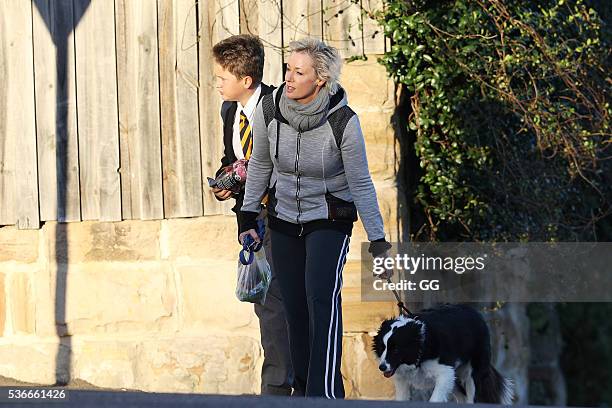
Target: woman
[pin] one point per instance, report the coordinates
(309, 156)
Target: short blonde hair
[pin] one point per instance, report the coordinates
(326, 60)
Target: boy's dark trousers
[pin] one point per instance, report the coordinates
(276, 372)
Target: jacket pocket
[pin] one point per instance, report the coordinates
(340, 210)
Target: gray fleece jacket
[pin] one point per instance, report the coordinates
(305, 166)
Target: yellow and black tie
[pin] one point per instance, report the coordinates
(246, 136)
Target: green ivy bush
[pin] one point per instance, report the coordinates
(510, 115)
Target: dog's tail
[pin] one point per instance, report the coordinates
(492, 387)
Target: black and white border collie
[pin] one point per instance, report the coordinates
(446, 348)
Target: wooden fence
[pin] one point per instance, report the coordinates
(108, 109)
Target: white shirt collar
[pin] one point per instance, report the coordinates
(249, 109)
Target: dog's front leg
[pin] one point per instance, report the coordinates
(444, 377)
(402, 387)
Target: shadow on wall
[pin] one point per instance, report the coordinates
(409, 170)
(61, 18)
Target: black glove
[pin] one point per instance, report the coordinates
(379, 247)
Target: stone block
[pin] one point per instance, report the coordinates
(94, 298)
(367, 85)
(376, 127)
(360, 372)
(29, 360)
(44, 283)
(211, 364)
(212, 237)
(361, 316)
(2, 304)
(373, 101)
(205, 363)
(18, 245)
(102, 241)
(208, 297)
(208, 363)
(106, 363)
(380, 146)
(358, 315)
(23, 304)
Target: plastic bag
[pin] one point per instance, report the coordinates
(254, 274)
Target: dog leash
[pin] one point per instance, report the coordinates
(403, 310)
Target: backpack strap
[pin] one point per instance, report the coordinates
(279, 93)
(338, 121)
(269, 105)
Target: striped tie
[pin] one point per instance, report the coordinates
(246, 136)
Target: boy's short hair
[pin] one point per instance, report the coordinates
(242, 55)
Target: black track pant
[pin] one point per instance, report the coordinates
(309, 271)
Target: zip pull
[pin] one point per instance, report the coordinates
(301, 230)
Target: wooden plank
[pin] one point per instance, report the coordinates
(139, 116)
(178, 63)
(18, 169)
(98, 121)
(266, 22)
(218, 20)
(271, 35)
(56, 124)
(373, 34)
(263, 18)
(226, 20)
(249, 17)
(302, 19)
(7, 142)
(342, 27)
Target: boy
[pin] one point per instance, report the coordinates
(239, 62)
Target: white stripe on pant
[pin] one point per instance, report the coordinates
(329, 392)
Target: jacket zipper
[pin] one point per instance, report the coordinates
(297, 190)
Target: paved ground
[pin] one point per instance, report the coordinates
(107, 399)
(80, 394)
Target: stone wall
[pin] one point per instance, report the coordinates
(150, 305)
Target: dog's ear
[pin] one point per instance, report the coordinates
(385, 326)
(377, 341)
